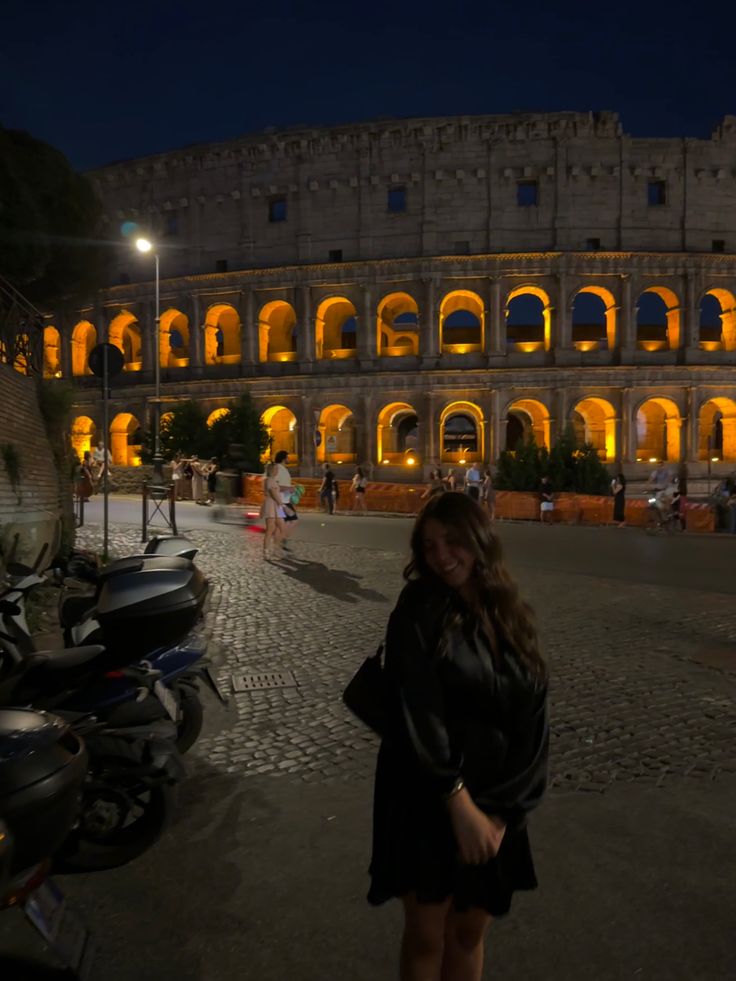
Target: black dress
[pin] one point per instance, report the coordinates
(456, 714)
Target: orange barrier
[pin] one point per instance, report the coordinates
(587, 509)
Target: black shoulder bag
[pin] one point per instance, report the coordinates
(365, 694)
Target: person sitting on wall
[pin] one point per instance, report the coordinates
(98, 458)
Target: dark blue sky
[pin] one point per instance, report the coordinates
(110, 81)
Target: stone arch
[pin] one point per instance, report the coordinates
(217, 414)
(173, 339)
(123, 429)
(281, 424)
(526, 418)
(222, 335)
(84, 338)
(51, 352)
(397, 325)
(722, 338)
(717, 429)
(587, 333)
(658, 320)
(336, 427)
(594, 421)
(462, 322)
(125, 333)
(84, 435)
(462, 433)
(336, 327)
(397, 437)
(528, 326)
(658, 425)
(277, 339)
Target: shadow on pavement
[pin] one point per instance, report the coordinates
(337, 583)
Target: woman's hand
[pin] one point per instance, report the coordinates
(478, 836)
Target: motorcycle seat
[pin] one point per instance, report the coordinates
(65, 657)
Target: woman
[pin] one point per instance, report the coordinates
(198, 475)
(618, 486)
(488, 494)
(177, 475)
(358, 487)
(464, 757)
(272, 512)
(211, 476)
(451, 480)
(436, 485)
(87, 481)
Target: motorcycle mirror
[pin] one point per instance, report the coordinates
(11, 609)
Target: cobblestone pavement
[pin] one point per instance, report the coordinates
(643, 682)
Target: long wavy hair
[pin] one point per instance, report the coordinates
(505, 617)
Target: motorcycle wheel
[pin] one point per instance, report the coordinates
(192, 718)
(121, 817)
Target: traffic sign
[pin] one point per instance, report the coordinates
(115, 360)
(317, 437)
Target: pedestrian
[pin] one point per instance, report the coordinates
(283, 478)
(618, 487)
(546, 500)
(488, 494)
(473, 481)
(272, 512)
(87, 475)
(326, 496)
(359, 485)
(731, 505)
(177, 475)
(198, 475)
(436, 485)
(451, 480)
(211, 478)
(102, 462)
(464, 759)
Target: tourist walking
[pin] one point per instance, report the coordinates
(198, 475)
(473, 481)
(177, 475)
(488, 494)
(358, 486)
(618, 487)
(464, 756)
(546, 500)
(272, 512)
(283, 479)
(451, 480)
(326, 490)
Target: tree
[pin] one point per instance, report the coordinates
(571, 467)
(240, 437)
(523, 468)
(183, 431)
(49, 222)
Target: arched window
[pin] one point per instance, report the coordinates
(718, 321)
(527, 418)
(222, 335)
(277, 332)
(658, 320)
(83, 435)
(335, 328)
(84, 338)
(124, 332)
(594, 420)
(461, 322)
(174, 339)
(398, 325)
(336, 427)
(282, 431)
(717, 430)
(125, 440)
(658, 431)
(528, 320)
(397, 435)
(51, 353)
(461, 431)
(593, 319)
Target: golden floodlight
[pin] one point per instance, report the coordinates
(143, 245)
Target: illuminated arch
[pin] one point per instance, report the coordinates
(397, 325)
(217, 414)
(462, 322)
(658, 425)
(277, 332)
(123, 429)
(83, 435)
(336, 427)
(663, 336)
(726, 339)
(594, 420)
(84, 338)
(584, 336)
(526, 418)
(397, 439)
(335, 327)
(529, 337)
(173, 339)
(51, 352)
(125, 333)
(282, 431)
(462, 433)
(222, 335)
(717, 429)
(166, 420)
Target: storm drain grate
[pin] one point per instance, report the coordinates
(267, 679)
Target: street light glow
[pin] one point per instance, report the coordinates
(143, 245)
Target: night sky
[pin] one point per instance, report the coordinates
(111, 81)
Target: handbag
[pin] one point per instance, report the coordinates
(365, 694)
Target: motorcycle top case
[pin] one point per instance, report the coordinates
(42, 767)
(147, 603)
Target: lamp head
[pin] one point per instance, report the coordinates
(143, 245)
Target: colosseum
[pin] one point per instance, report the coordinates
(405, 292)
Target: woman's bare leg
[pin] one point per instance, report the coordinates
(463, 954)
(270, 528)
(422, 943)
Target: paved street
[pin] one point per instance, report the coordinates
(263, 875)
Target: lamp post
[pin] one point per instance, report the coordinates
(144, 245)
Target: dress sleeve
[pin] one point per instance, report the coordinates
(412, 672)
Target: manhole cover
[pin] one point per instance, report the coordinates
(267, 679)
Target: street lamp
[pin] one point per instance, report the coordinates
(144, 245)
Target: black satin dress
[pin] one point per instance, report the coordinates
(466, 715)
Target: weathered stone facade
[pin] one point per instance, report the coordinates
(432, 290)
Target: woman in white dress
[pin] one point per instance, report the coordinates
(272, 512)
